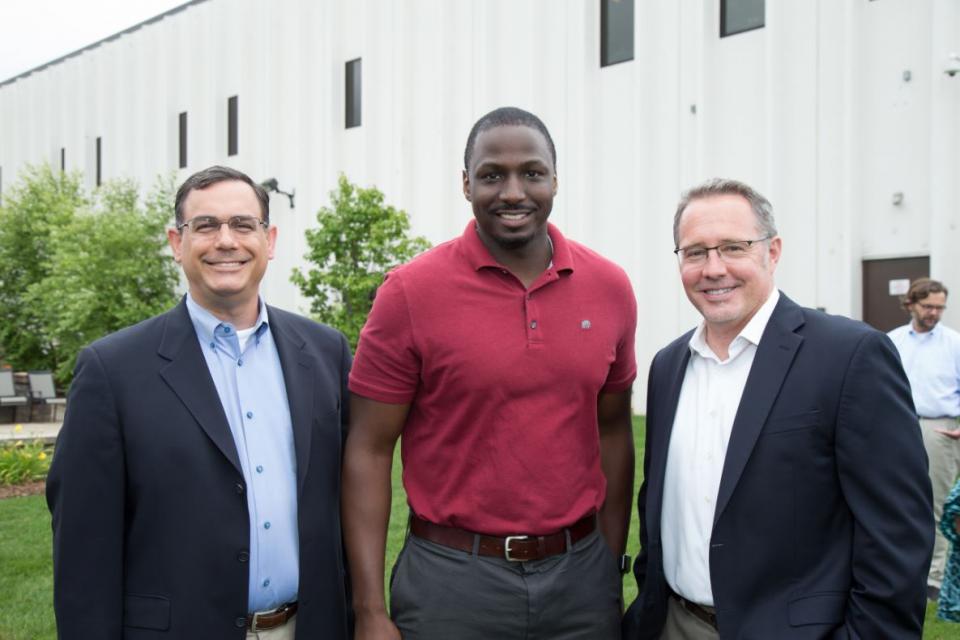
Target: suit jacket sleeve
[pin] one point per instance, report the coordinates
(882, 469)
(85, 494)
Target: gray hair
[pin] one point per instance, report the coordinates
(761, 207)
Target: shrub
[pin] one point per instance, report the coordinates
(357, 240)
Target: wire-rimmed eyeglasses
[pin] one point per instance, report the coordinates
(209, 225)
(727, 251)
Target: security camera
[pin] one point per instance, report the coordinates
(953, 65)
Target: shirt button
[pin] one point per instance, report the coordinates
(259, 468)
(249, 414)
(240, 362)
(239, 488)
(533, 325)
(243, 556)
(266, 583)
(240, 623)
(266, 525)
(213, 345)
(226, 329)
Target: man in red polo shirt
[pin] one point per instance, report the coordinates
(505, 358)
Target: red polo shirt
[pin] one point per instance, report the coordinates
(502, 381)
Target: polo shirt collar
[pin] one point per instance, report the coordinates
(479, 256)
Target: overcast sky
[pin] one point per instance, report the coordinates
(34, 32)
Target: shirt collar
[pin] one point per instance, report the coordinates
(918, 334)
(206, 324)
(478, 256)
(750, 334)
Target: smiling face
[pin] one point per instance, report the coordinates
(511, 183)
(727, 294)
(224, 269)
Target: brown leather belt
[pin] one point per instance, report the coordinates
(519, 548)
(271, 619)
(706, 614)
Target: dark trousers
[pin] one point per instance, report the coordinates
(439, 593)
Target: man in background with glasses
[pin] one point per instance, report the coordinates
(931, 357)
(195, 484)
(785, 489)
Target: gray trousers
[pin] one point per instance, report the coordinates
(440, 593)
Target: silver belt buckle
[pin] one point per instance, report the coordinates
(506, 547)
(253, 623)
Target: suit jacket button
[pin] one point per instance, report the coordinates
(243, 556)
(239, 488)
(240, 623)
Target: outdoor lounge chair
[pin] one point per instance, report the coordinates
(8, 395)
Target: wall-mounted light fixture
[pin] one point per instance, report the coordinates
(953, 65)
(271, 185)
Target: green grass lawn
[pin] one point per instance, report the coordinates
(25, 574)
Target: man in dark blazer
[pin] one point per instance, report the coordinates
(195, 484)
(785, 489)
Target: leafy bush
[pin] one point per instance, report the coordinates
(357, 240)
(75, 267)
(40, 202)
(22, 462)
(109, 269)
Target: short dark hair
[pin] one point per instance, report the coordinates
(507, 117)
(920, 289)
(212, 175)
(761, 207)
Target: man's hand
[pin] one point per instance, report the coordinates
(375, 626)
(950, 433)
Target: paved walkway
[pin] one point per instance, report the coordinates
(46, 431)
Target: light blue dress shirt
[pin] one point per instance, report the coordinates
(932, 363)
(254, 398)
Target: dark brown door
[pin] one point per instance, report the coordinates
(884, 281)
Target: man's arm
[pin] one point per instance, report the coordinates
(85, 494)
(616, 460)
(882, 468)
(365, 505)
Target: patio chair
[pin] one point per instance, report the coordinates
(8, 395)
(42, 389)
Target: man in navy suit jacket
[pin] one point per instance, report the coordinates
(785, 488)
(195, 484)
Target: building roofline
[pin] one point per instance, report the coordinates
(96, 44)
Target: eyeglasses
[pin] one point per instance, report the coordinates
(929, 308)
(209, 225)
(728, 252)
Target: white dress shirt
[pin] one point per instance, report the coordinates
(709, 399)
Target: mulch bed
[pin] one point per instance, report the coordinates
(20, 490)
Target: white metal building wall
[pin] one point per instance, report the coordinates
(813, 110)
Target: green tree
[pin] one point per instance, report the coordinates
(41, 201)
(109, 269)
(357, 240)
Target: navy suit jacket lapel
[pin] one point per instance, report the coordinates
(189, 377)
(771, 363)
(665, 414)
(299, 371)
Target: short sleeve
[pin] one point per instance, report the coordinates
(623, 371)
(386, 367)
